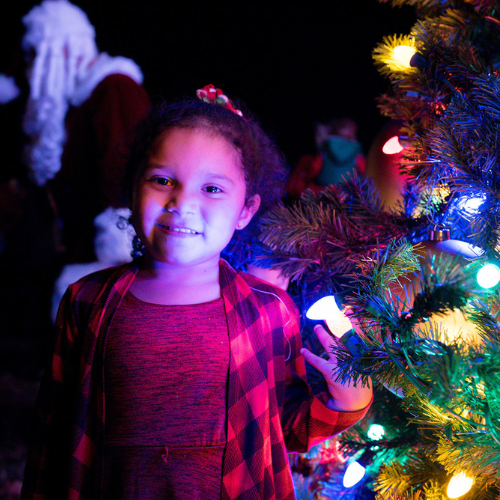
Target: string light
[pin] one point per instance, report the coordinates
(375, 432)
(353, 474)
(326, 309)
(392, 146)
(459, 485)
(393, 55)
(338, 324)
(431, 199)
(488, 276)
(357, 469)
(403, 54)
(469, 205)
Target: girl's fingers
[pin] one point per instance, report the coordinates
(344, 396)
(323, 365)
(324, 337)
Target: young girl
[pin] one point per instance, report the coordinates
(176, 376)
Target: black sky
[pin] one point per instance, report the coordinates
(291, 65)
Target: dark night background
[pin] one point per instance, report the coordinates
(291, 64)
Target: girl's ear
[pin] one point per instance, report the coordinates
(250, 208)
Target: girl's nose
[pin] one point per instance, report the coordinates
(182, 201)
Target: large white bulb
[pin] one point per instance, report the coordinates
(327, 309)
(403, 54)
(353, 474)
(488, 276)
(324, 308)
(459, 485)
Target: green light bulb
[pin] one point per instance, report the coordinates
(375, 432)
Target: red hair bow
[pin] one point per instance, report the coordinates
(212, 95)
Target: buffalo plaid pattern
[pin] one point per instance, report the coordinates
(271, 410)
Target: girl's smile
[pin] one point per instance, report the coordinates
(178, 231)
(191, 198)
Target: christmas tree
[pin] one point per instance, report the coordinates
(410, 277)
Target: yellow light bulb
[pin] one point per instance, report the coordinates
(459, 485)
(403, 54)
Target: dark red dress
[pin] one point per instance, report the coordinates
(165, 384)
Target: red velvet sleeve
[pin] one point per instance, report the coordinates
(119, 103)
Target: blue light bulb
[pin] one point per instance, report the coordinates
(470, 205)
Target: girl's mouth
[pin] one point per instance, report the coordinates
(179, 230)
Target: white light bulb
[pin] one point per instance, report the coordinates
(459, 485)
(488, 276)
(353, 474)
(324, 308)
(403, 54)
(327, 309)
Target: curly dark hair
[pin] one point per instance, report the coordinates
(264, 166)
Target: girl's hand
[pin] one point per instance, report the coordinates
(345, 397)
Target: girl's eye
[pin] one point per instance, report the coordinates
(213, 189)
(163, 181)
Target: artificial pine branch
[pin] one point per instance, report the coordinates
(432, 8)
(380, 271)
(449, 105)
(324, 237)
(473, 453)
(405, 480)
(449, 413)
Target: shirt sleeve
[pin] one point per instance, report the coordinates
(306, 421)
(47, 468)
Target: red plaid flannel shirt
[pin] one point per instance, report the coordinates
(271, 410)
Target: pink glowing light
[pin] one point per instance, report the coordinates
(392, 146)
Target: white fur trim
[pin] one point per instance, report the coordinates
(104, 66)
(43, 122)
(54, 19)
(8, 89)
(113, 238)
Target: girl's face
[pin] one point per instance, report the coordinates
(190, 198)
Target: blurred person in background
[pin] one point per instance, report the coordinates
(338, 153)
(82, 107)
